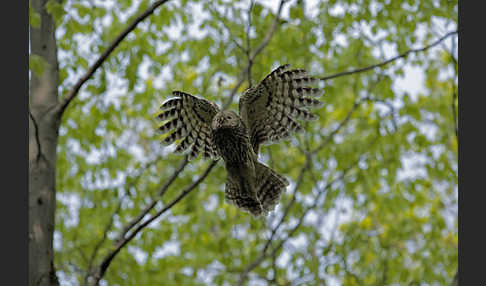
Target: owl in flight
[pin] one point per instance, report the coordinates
(267, 114)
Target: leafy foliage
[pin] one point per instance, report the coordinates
(377, 202)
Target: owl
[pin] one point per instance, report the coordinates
(267, 114)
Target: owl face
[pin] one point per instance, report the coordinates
(226, 118)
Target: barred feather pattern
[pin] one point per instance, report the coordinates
(269, 188)
(233, 144)
(268, 113)
(250, 185)
(281, 98)
(189, 118)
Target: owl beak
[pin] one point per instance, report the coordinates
(217, 121)
(222, 121)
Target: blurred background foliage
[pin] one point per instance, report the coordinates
(373, 198)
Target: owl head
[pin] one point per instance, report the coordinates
(225, 118)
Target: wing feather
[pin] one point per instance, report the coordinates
(271, 107)
(188, 118)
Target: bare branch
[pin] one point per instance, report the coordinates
(270, 32)
(161, 192)
(444, 46)
(339, 127)
(132, 229)
(246, 271)
(109, 225)
(265, 254)
(289, 205)
(221, 19)
(100, 243)
(356, 105)
(402, 55)
(255, 53)
(74, 91)
(122, 240)
(387, 104)
(307, 167)
(109, 257)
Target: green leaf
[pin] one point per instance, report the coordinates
(56, 10)
(382, 211)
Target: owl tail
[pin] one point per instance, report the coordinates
(269, 185)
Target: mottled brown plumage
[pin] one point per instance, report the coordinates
(267, 114)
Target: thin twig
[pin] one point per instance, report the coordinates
(74, 91)
(387, 104)
(246, 271)
(444, 46)
(148, 208)
(110, 222)
(244, 274)
(164, 188)
(338, 128)
(222, 20)
(402, 55)
(257, 51)
(289, 205)
(100, 243)
(356, 105)
(109, 257)
(124, 238)
(307, 166)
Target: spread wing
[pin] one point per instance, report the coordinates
(271, 108)
(189, 118)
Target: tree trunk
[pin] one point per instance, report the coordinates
(44, 123)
